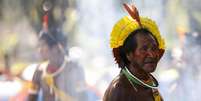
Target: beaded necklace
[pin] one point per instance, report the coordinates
(134, 80)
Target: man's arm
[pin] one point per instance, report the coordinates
(32, 97)
(34, 88)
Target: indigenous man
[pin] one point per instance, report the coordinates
(59, 79)
(137, 47)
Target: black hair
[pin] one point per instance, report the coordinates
(53, 38)
(129, 45)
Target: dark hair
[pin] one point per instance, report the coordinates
(53, 38)
(129, 45)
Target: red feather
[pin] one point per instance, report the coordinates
(133, 12)
(45, 22)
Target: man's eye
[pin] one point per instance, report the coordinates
(155, 48)
(144, 48)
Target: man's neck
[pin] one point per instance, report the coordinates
(54, 65)
(56, 62)
(139, 73)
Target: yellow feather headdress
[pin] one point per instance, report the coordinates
(123, 28)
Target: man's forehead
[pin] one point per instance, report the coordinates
(144, 38)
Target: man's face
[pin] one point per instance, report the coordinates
(44, 50)
(146, 55)
(49, 53)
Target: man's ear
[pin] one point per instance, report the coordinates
(160, 53)
(129, 56)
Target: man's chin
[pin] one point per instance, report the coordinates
(149, 68)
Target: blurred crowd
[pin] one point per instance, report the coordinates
(87, 25)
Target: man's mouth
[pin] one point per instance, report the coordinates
(150, 62)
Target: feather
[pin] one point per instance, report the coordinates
(45, 22)
(133, 12)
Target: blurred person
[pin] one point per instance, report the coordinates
(59, 78)
(137, 47)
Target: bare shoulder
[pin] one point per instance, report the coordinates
(72, 69)
(118, 90)
(73, 65)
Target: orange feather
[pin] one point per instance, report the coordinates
(133, 12)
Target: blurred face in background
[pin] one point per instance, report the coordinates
(44, 50)
(50, 53)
